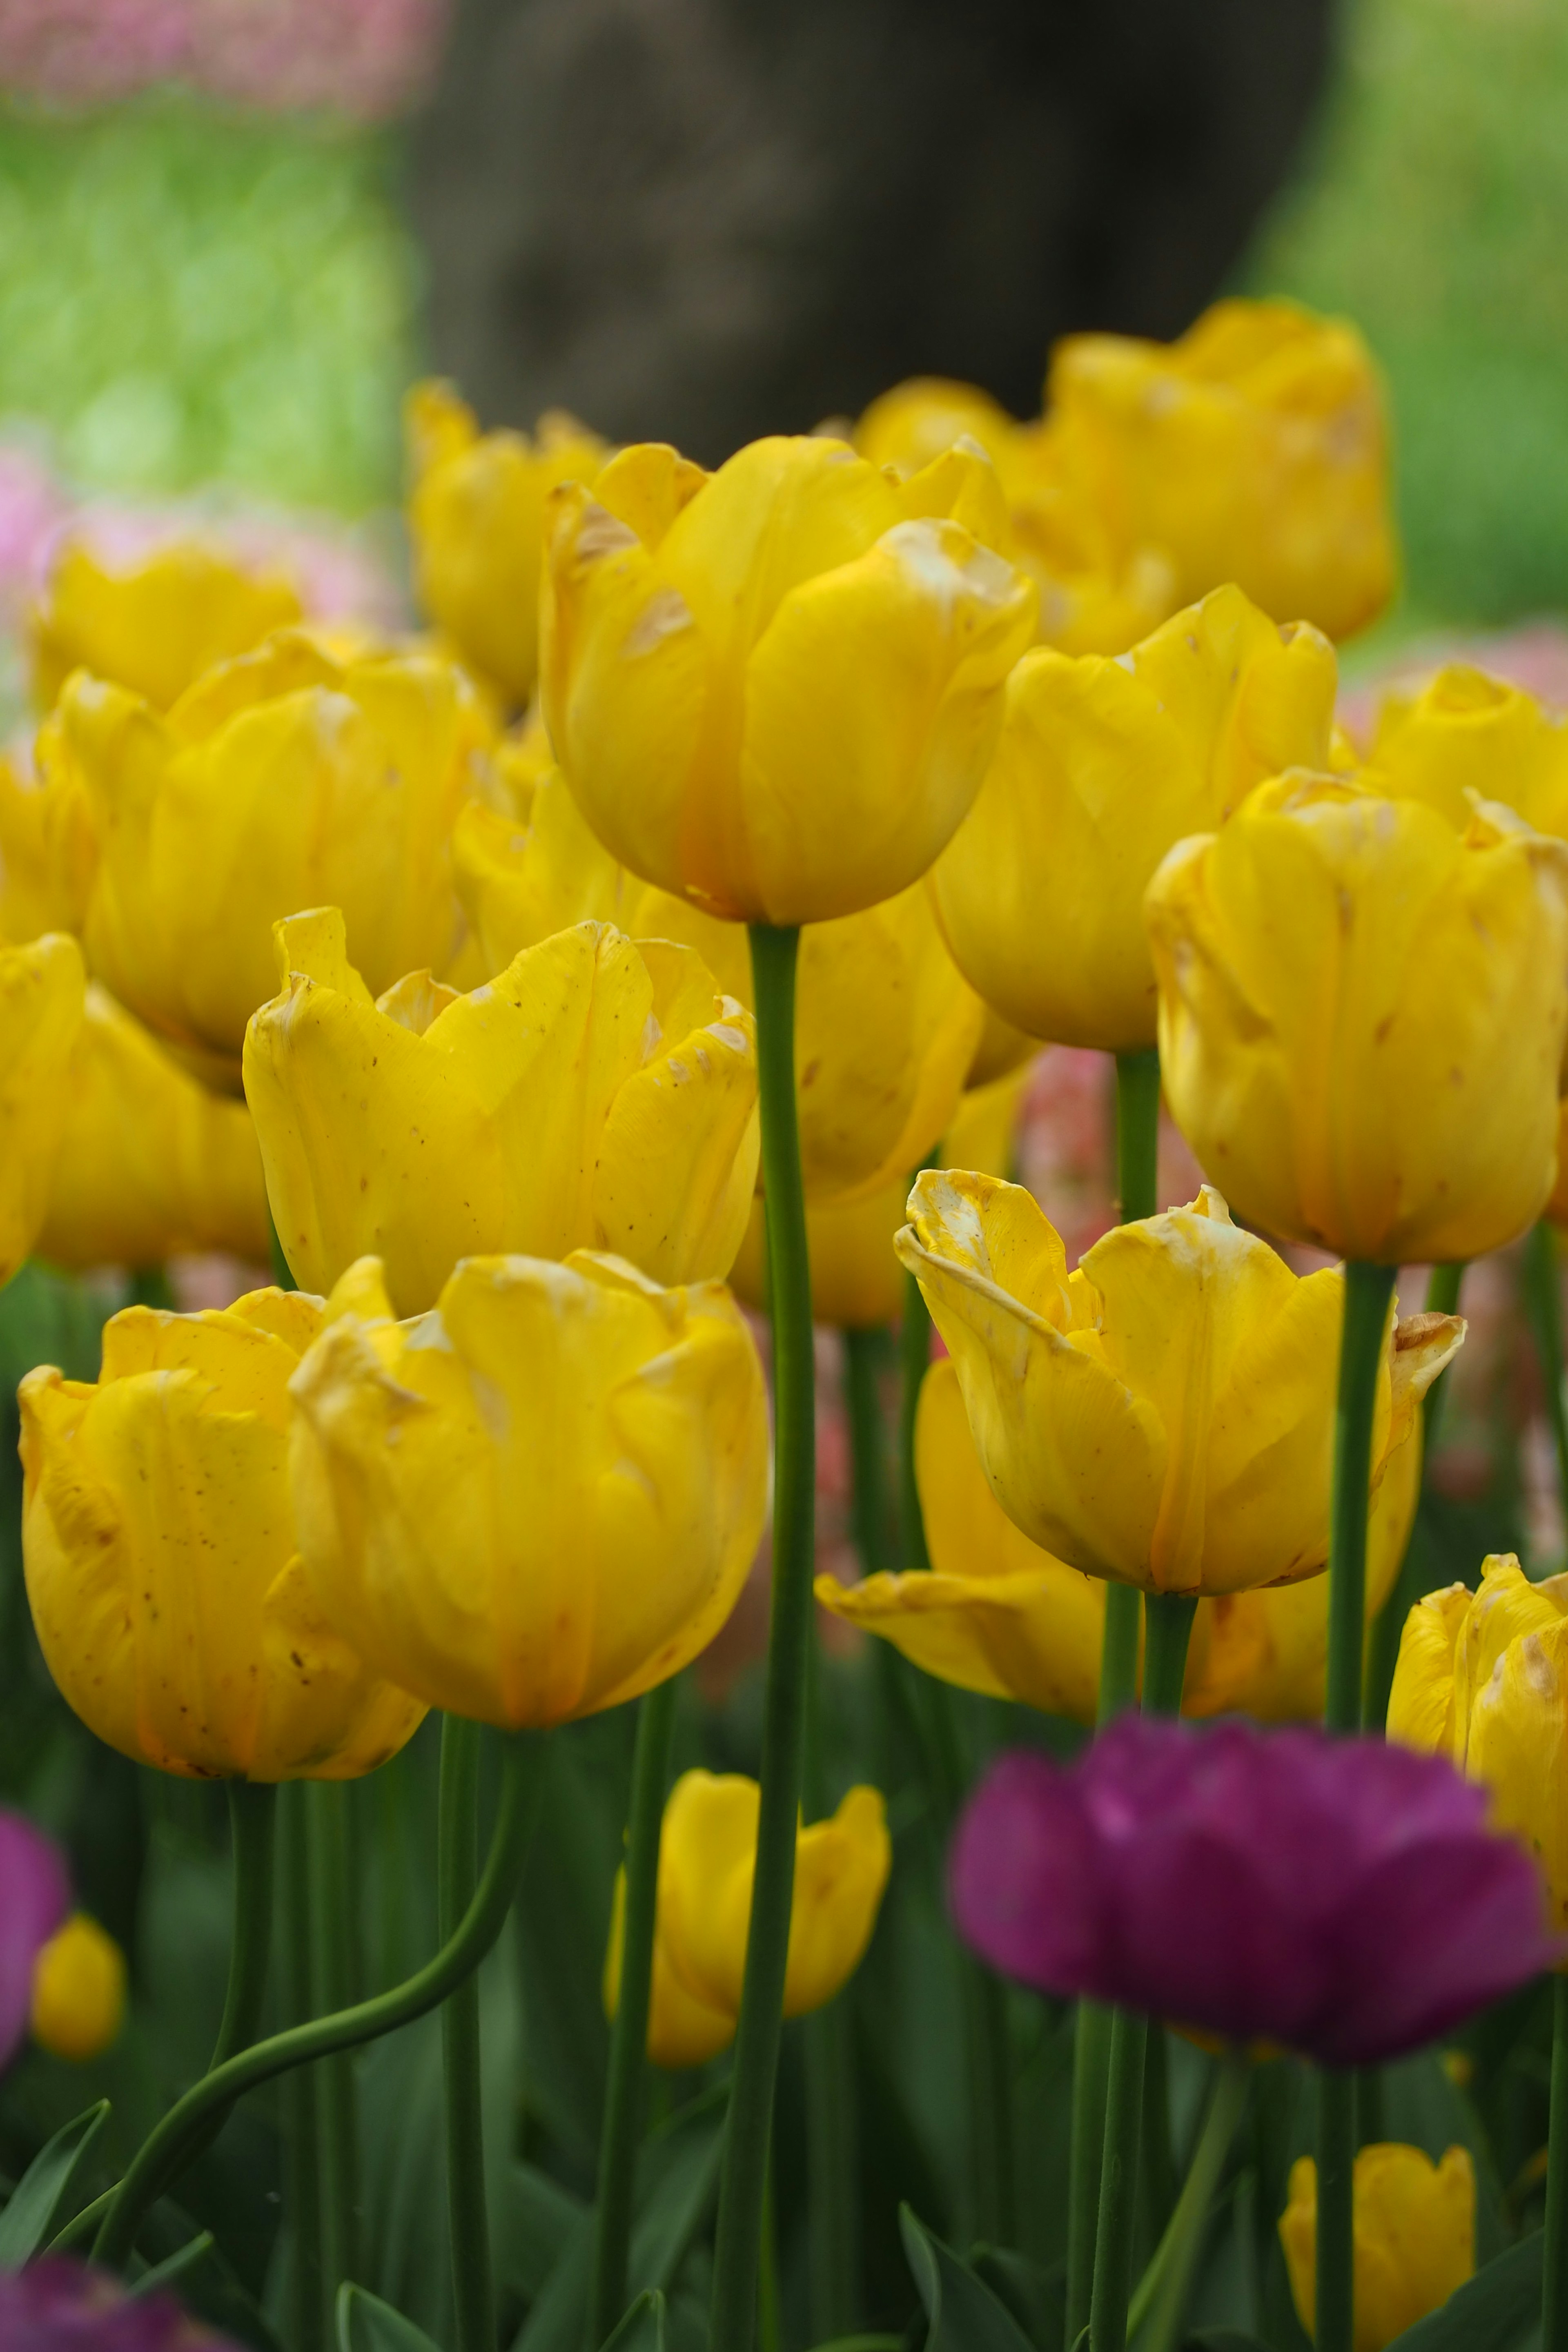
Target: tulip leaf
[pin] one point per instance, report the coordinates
(28, 2220)
(642, 2329)
(1496, 2311)
(174, 2265)
(365, 2324)
(538, 2217)
(963, 2315)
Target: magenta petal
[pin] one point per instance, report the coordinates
(34, 1898)
(1338, 1897)
(60, 2305)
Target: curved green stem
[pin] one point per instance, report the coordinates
(456, 1872)
(160, 2156)
(332, 1981)
(1161, 2294)
(1544, 1307)
(914, 1361)
(620, 2134)
(1554, 2280)
(866, 1353)
(253, 1823)
(740, 2197)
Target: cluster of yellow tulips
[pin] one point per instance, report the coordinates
(541, 994)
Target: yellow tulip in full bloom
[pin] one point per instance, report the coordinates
(155, 626)
(165, 1586)
(1254, 448)
(476, 514)
(1414, 2237)
(707, 1857)
(290, 778)
(1163, 1417)
(1100, 767)
(79, 1989)
(1464, 732)
(595, 1095)
(886, 1028)
(150, 1162)
(539, 1499)
(775, 689)
(41, 990)
(1362, 1014)
(996, 1614)
(1482, 1678)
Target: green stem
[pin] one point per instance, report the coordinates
(301, 2149)
(337, 2121)
(1554, 2281)
(1161, 2295)
(1168, 1619)
(866, 1353)
(282, 1274)
(1091, 2047)
(1368, 1291)
(770, 2310)
(1138, 1134)
(1544, 1306)
(253, 1822)
(1415, 1569)
(150, 1287)
(1443, 1285)
(161, 2155)
(457, 1875)
(832, 2177)
(1335, 2296)
(621, 2131)
(738, 2243)
(914, 1360)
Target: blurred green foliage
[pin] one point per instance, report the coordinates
(1434, 212)
(187, 298)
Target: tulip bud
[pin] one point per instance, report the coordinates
(1414, 2237)
(1466, 734)
(79, 1989)
(706, 1859)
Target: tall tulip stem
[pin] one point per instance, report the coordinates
(456, 1874)
(620, 2134)
(1554, 2283)
(337, 2119)
(1443, 1286)
(168, 2147)
(865, 1355)
(743, 2186)
(309, 2330)
(1138, 1134)
(1544, 1306)
(253, 1822)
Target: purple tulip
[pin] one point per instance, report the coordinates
(57, 2306)
(1338, 1898)
(35, 1896)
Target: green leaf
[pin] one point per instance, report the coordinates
(173, 2266)
(538, 2216)
(963, 2312)
(365, 2324)
(30, 2218)
(863, 2343)
(1035, 2295)
(677, 2180)
(642, 2329)
(1496, 2311)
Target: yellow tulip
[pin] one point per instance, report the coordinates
(1163, 1417)
(596, 1095)
(886, 1028)
(476, 515)
(1464, 732)
(997, 1614)
(1414, 2237)
(1254, 449)
(1482, 1678)
(1362, 1014)
(41, 990)
(1100, 767)
(773, 689)
(286, 779)
(79, 1989)
(539, 1499)
(920, 420)
(707, 1858)
(48, 841)
(155, 627)
(165, 1585)
(150, 1162)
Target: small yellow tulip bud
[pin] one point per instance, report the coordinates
(1163, 1417)
(1482, 1678)
(476, 515)
(541, 1498)
(774, 690)
(151, 1164)
(1254, 448)
(155, 627)
(41, 992)
(159, 1556)
(292, 777)
(79, 1989)
(706, 1859)
(595, 1095)
(1100, 767)
(1362, 1015)
(1465, 733)
(1414, 2237)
